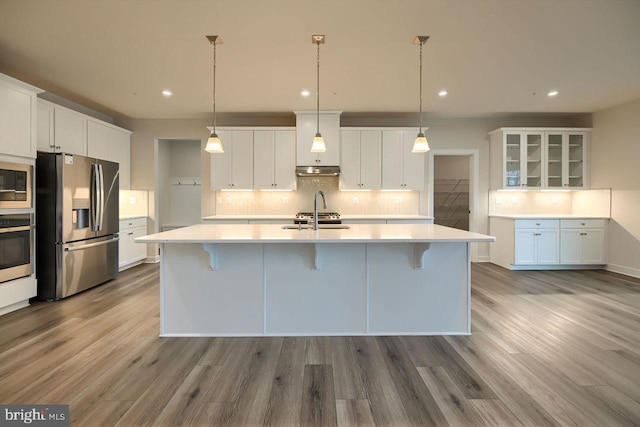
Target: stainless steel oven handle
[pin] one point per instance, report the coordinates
(14, 229)
(91, 245)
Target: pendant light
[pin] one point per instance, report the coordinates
(214, 145)
(420, 144)
(318, 141)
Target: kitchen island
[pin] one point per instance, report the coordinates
(369, 279)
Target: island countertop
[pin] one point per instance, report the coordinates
(356, 233)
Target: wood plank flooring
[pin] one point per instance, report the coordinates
(547, 348)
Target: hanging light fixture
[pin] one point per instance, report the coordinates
(318, 141)
(214, 145)
(420, 144)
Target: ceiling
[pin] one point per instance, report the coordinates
(492, 56)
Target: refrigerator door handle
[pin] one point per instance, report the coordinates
(94, 197)
(91, 245)
(101, 200)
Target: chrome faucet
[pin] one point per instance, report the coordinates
(315, 208)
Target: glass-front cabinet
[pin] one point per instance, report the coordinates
(566, 159)
(535, 158)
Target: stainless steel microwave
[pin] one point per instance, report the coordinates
(15, 185)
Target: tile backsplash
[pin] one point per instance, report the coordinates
(584, 202)
(290, 202)
(134, 203)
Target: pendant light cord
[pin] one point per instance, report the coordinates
(421, 43)
(214, 87)
(318, 91)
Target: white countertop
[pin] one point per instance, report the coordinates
(292, 216)
(125, 217)
(548, 216)
(357, 233)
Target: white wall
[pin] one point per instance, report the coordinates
(615, 163)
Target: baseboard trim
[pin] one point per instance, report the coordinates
(485, 258)
(621, 269)
(558, 267)
(152, 259)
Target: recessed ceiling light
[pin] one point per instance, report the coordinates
(167, 93)
(442, 93)
(305, 93)
(552, 93)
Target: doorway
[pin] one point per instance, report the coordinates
(451, 191)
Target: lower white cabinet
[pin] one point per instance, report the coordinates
(583, 241)
(130, 252)
(548, 243)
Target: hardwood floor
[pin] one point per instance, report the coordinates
(547, 348)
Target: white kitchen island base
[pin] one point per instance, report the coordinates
(316, 283)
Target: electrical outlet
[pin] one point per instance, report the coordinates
(285, 200)
(399, 200)
(514, 199)
(554, 200)
(132, 200)
(229, 200)
(356, 200)
(499, 200)
(218, 200)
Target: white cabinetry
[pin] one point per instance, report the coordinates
(360, 159)
(566, 154)
(17, 117)
(274, 159)
(233, 170)
(401, 169)
(70, 131)
(130, 252)
(537, 242)
(582, 241)
(108, 142)
(306, 128)
(538, 158)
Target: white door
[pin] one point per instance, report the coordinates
(525, 247)
(263, 159)
(593, 246)
(285, 160)
(350, 159)
(548, 247)
(371, 159)
(392, 168)
(571, 243)
(242, 160)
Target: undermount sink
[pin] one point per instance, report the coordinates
(320, 227)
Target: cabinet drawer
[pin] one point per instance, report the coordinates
(132, 223)
(537, 223)
(582, 223)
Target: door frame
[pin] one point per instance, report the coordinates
(474, 179)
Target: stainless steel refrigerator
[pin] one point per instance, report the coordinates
(77, 221)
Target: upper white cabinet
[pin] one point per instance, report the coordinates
(360, 159)
(108, 142)
(538, 158)
(274, 159)
(401, 169)
(70, 131)
(566, 159)
(233, 169)
(306, 128)
(18, 111)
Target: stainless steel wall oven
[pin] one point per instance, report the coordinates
(16, 251)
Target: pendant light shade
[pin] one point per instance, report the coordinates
(420, 144)
(318, 141)
(214, 144)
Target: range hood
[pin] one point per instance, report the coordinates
(317, 170)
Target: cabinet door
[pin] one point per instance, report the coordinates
(138, 251)
(593, 246)
(371, 159)
(533, 168)
(575, 160)
(97, 140)
(392, 160)
(285, 160)
(120, 152)
(513, 160)
(221, 163)
(16, 112)
(70, 132)
(554, 159)
(571, 246)
(264, 159)
(547, 246)
(45, 140)
(525, 247)
(413, 164)
(306, 129)
(350, 159)
(123, 248)
(242, 160)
